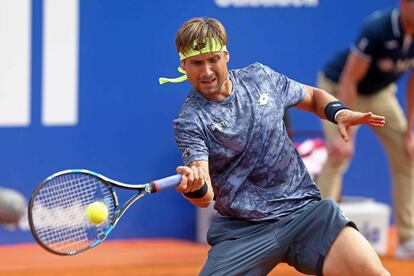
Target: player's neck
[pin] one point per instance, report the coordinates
(224, 91)
(227, 87)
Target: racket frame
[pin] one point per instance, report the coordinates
(142, 190)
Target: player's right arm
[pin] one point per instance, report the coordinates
(196, 183)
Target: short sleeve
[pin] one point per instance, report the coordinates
(368, 40)
(190, 141)
(289, 91)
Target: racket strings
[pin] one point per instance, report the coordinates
(59, 210)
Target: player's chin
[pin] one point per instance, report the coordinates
(208, 90)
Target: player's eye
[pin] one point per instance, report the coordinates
(196, 62)
(215, 59)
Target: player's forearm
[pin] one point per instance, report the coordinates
(318, 101)
(204, 201)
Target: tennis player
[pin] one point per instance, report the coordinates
(236, 152)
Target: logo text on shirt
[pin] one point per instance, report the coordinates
(219, 126)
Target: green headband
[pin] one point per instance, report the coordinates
(209, 46)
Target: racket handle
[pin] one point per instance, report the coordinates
(165, 183)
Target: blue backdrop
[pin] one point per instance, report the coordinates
(124, 130)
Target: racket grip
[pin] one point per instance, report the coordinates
(165, 183)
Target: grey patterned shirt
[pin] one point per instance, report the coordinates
(256, 172)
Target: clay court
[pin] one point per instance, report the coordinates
(138, 257)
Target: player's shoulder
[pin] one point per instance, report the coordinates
(189, 107)
(253, 70)
(254, 67)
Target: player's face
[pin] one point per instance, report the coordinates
(208, 74)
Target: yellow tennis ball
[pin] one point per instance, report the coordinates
(97, 212)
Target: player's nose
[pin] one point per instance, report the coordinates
(206, 71)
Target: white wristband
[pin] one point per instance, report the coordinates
(339, 111)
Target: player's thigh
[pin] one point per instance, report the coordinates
(254, 254)
(310, 235)
(351, 254)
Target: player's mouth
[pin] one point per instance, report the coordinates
(208, 82)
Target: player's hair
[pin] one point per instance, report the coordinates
(199, 29)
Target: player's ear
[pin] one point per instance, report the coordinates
(227, 56)
(182, 64)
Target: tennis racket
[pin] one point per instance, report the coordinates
(57, 208)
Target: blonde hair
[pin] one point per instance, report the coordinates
(199, 29)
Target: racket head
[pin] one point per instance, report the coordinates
(57, 211)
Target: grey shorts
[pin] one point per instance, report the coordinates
(301, 239)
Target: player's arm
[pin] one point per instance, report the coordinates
(196, 183)
(329, 108)
(316, 99)
(410, 115)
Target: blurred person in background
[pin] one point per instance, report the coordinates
(363, 77)
(12, 207)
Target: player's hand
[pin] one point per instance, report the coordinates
(192, 180)
(409, 144)
(348, 118)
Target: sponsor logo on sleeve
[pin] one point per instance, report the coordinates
(186, 153)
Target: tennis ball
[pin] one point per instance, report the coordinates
(96, 212)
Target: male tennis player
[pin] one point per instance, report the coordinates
(236, 149)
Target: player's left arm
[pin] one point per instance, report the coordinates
(410, 115)
(319, 102)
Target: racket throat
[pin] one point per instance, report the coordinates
(151, 187)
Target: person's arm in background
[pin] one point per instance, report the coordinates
(316, 101)
(354, 71)
(196, 183)
(12, 206)
(410, 115)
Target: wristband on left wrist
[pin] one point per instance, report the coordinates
(199, 193)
